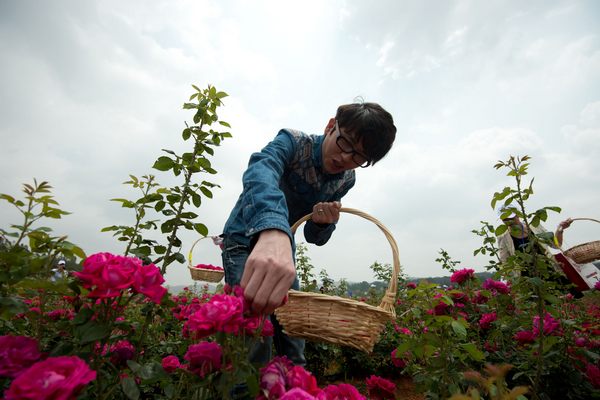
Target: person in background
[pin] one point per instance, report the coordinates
(59, 272)
(294, 175)
(517, 235)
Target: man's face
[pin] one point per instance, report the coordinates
(340, 151)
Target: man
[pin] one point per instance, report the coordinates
(296, 174)
(517, 235)
(59, 272)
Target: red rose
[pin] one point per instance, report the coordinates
(148, 281)
(17, 353)
(298, 377)
(380, 388)
(170, 364)
(204, 358)
(56, 378)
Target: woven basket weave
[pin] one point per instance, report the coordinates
(585, 252)
(338, 320)
(200, 274)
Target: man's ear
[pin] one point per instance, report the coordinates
(330, 126)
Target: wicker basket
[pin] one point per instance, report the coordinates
(586, 252)
(200, 274)
(338, 320)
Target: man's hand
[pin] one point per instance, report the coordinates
(269, 271)
(326, 213)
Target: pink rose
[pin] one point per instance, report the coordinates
(56, 378)
(462, 275)
(272, 377)
(121, 352)
(593, 374)
(252, 324)
(486, 320)
(297, 394)
(170, 364)
(398, 362)
(209, 267)
(148, 281)
(524, 337)
(380, 388)
(16, 354)
(204, 358)
(550, 325)
(496, 286)
(298, 377)
(411, 285)
(108, 274)
(226, 312)
(343, 391)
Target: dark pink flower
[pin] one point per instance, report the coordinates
(485, 322)
(524, 337)
(297, 394)
(550, 325)
(121, 352)
(148, 281)
(170, 364)
(398, 361)
(411, 285)
(462, 275)
(479, 298)
(496, 286)
(380, 388)
(56, 378)
(222, 313)
(298, 377)
(209, 267)
(204, 358)
(107, 274)
(597, 285)
(593, 374)
(254, 323)
(273, 377)
(343, 391)
(16, 354)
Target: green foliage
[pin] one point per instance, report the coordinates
(137, 245)
(172, 203)
(28, 251)
(447, 262)
(304, 269)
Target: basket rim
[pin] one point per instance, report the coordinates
(328, 297)
(389, 298)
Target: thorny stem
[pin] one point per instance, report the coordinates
(138, 217)
(184, 198)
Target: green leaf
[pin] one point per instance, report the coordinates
(196, 199)
(163, 163)
(130, 388)
(500, 230)
(92, 331)
(473, 351)
(83, 316)
(206, 192)
(201, 229)
(459, 329)
(224, 124)
(169, 390)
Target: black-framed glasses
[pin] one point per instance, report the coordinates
(346, 146)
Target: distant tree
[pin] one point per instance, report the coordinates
(304, 268)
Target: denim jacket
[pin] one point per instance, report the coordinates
(282, 184)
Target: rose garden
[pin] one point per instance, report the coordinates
(112, 330)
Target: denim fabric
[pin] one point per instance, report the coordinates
(234, 258)
(282, 184)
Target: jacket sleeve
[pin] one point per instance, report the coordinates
(320, 234)
(263, 202)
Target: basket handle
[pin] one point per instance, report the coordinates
(387, 303)
(214, 238)
(585, 219)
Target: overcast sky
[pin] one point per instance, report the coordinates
(92, 90)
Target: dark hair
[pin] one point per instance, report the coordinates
(370, 124)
